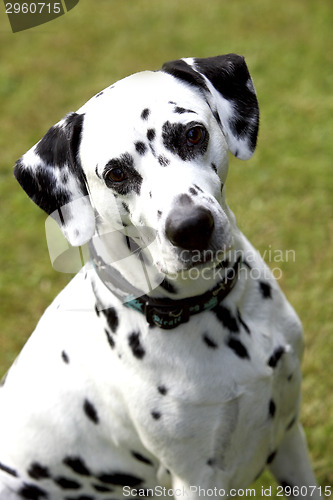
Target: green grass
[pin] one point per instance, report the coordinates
(282, 197)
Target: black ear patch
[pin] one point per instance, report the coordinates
(56, 150)
(52, 176)
(225, 83)
(41, 186)
(181, 70)
(230, 77)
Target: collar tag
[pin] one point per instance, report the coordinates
(164, 317)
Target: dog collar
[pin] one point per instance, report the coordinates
(164, 313)
(168, 313)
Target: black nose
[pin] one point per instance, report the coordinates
(190, 227)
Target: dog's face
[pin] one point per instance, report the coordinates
(150, 151)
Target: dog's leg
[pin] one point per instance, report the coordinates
(292, 468)
(206, 487)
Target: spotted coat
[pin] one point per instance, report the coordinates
(102, 403)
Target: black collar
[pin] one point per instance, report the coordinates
(168, 313)
(164, 313)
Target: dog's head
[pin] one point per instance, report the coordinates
(152, 151)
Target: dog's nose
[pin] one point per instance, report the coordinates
(190, 227)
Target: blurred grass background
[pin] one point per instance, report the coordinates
(282, 197)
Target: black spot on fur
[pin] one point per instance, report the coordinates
(242, 322)
(145, 113)
(156, 415)
(65, 357)
(152, 149)
(141, 458)
(214, 167)
(275, 357)
(198, 188)
(97, 311)
(174, 139)
(125, 206)
(90, 411)
(102, 489)
(112, 318)
(211, 462)
(271, 408)
(37, 471)
(135, 345)
(8, 470)
(209, 342)
(163, 161)
(151, 134)
(77, 465)
(159, 214)
(193, 191)
(67, 484)
(238, 348)
(162, 390)
(271, 457)
(217, 117)
(141, 148)
(286, 484)
(291, 423)
(181, 110)
(265, 290)
(120, 479)
(224, 315)
(100, 93)
(81, 497)
(96, 172)
(32, 492)
(110, 338)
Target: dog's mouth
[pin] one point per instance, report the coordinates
(200, 260)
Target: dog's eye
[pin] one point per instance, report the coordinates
(195, 135)
(115, 175)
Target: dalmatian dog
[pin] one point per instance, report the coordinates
(170, 364)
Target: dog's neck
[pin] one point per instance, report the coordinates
(128, 271)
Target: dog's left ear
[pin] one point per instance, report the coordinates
(53, 178)
(227, 86)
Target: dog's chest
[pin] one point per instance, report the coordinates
(205, 386)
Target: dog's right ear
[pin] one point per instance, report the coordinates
(53, 178)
